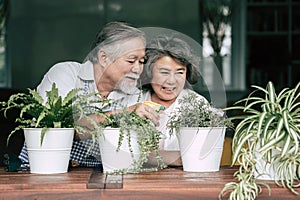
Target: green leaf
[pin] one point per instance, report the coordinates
(261, 123)
(57, 124)
(295, 137)
(286, 123)
(269, 145)
(44, 129)
(71, 96)
(40, 118)
(36, 97)
(271, 95)
(286, 146)
(239, 147)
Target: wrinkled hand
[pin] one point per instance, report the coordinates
(146, 112)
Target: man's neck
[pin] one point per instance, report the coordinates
(103, 83)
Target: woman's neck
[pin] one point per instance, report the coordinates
(165, 103)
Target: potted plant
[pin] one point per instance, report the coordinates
(125, 139)
(266, 141)
(126, 142)
(48, 127)
(200, 128)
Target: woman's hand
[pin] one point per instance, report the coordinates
(145, 111)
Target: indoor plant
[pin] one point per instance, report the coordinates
(268, 130)
(200, 127)
(125, 139)
(136, 135)
(48, 121)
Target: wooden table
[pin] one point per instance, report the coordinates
(86, 183)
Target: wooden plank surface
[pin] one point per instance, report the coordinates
(98, 180)
(114, 181)
(74, 179)
(167, 184)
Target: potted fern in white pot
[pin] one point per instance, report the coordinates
(266, 141)
(48, 128)
(200, 128)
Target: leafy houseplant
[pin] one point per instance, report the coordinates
(118, 129)
(269, 130)
(200, 126)
(147, 137)
(196, 112)
(40, 120)
(34, 112)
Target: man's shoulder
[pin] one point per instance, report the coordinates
(66, 65)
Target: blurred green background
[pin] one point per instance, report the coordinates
(41, 33)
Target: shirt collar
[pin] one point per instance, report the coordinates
(117, 93)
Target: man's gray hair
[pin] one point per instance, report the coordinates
(110, 38)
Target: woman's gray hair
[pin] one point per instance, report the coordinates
(176, 48)
(110, 38)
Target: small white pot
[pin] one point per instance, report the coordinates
(116, 160)
(54, 154)
(201, 148)
(264, 170)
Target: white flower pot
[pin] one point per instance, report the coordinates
(265, 171)
(54, 154)
(201, 148)
(116, 160)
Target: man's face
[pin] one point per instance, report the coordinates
(126, 69)
(168, 78)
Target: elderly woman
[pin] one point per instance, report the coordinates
(168, 74)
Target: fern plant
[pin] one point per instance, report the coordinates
(34, 112)
(269, 127)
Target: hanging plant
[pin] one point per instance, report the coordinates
(269, 130)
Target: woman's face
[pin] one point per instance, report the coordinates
(168, 78)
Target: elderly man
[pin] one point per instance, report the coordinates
(111, 69)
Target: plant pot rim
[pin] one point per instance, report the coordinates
(110, 128)
(48, 128)
(200, 127)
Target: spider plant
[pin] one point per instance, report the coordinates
(269, 127)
